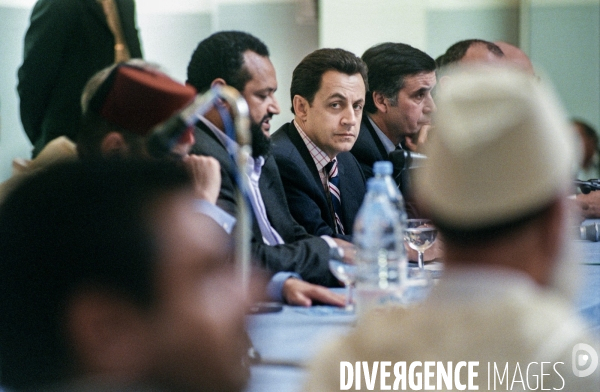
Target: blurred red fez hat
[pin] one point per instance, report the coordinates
(138, 99)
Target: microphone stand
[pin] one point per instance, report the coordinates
(165, 135)
(240, 111)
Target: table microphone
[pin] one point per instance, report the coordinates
(589, 232)
(405, 159)
(588, 186)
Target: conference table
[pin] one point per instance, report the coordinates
(288, 339)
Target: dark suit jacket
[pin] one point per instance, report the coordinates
(305, 193)
(302, 253)
(66, 43)
(369, 149)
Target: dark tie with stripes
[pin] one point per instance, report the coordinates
(333, 184)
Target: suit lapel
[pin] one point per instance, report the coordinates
(297, 141)
(375, 137)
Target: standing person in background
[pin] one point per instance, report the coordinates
(66, 43)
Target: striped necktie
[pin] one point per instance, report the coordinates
(333, 184)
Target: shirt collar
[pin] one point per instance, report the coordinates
(319, 156)
(230, 144)
(254, 165)
(387, 143)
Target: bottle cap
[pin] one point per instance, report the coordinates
(383, 167)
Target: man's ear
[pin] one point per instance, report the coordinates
(218, 82)
(109, 334)
(442, 82)
(380, 101)
(301, 106)
(114, 144)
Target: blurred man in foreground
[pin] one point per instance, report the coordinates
(504, 299)
(106, 286)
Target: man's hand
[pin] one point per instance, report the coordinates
(348, 249)
(589, 205)
(416, 141)
(206, 176)
(301, 293)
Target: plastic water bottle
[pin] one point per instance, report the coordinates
(380, 254)
(383, 170)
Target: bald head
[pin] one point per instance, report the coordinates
(516, 57)
(481, 52)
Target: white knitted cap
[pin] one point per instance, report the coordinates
(502, 148)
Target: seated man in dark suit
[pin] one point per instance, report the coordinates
(105, 287)
(398, 105)
(279, 243)
(323, 182)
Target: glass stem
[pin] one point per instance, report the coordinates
(348, 295)
(420, 260)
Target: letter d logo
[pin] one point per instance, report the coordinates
(584, 356)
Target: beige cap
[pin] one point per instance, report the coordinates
(502, 149)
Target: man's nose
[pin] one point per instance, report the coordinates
(274, 106)
(350, 117)
(430, 106)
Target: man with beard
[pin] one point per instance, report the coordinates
(279, 243)
(505, 300)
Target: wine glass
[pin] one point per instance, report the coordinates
(345, 272)
(420, 235)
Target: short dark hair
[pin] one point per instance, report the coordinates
(307, 76)
(222, 56)
(389, 63)
(76, 226)
(458, 50)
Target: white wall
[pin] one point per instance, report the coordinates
(356, 25)
(564, 40)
